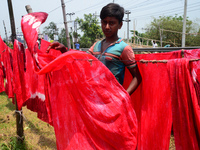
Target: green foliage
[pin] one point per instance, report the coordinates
(172, 29)
(14, 144)
(62, 37)
(91, 30)
(51, 30)
(9, 44)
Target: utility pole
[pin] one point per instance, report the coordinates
(28, 9)
(12, 21)
(70, 14)
(5, 31)
(134, 32)
(19, 118)
(184, 24)
(127, 20)
(160, 36)
(75, 30)
(65, 23)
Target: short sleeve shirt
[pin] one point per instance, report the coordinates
(116, 57)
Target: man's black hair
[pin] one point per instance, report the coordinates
(112, 10)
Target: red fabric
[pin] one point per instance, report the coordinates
(36, 86)
(195, 70)
(2, 88)
(7, 61)
(185, 107)
(30, 24)
(19, 80)
(2, 45)
(87, 111)
(152, 101)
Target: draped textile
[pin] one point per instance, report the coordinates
(88, 113)
(185, 107)
(2, 74)
(86, 110)
(7, 61)
(19, 79)
(36, 88)
(152, 101)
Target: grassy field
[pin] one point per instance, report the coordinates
(38, 134)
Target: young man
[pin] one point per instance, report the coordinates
(113, 51)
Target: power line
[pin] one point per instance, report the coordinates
(170, 11)
(58, 7)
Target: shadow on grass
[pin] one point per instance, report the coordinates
(2, 93)
(10, 105)
(43, 141)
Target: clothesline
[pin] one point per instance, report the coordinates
(161, 61)
(142, 61)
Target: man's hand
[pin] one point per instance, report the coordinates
(57, 46)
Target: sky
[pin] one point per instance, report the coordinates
(141, 14)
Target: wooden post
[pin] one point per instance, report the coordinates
(12, 21)
(65, 23)
(19, 118)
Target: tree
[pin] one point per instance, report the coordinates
(91, 30)
(62, 37)
(51, 30)
(170, 28)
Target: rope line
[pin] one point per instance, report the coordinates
(20, 114)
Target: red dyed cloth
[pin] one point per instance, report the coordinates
(36, 87)
(87, 112)
(2, 48)
(195, 69)
(152, 101)
(185, 107)
(2, 88)
(7, 61)
(19, 79)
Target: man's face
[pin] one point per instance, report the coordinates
(110, 26)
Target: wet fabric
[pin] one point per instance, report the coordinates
(7, 61)
(195, 70)
(88, 113)
(152, 101)
(19, 79)
(36, 88)
(86, 110)
(2, 74)
(185, 107)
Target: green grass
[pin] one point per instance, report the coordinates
(38, 134)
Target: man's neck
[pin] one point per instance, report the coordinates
(111, 40)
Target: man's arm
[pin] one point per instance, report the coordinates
(57, 46)
(135, 81)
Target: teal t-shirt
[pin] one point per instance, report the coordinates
(116, 57)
